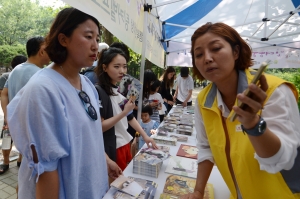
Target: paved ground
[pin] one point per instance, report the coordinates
(9, 180)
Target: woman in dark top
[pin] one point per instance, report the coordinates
(166, 86)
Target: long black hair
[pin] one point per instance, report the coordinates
(149, 77)
(106, 56)
(168, 82)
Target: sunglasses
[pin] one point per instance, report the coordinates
(87, 105)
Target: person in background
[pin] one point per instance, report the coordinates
(159, 110)
(111, 68)
(17, 79)
(149, 78)
(147, 124)
(184, 90)
(257, 154)
(89, 72)
(167, 82)
(56, 119)
(19, 59)
(124, 48)
(174, 85)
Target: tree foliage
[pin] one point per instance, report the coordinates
(19, 21)
(288, 74)
(22, 19)
(8, 52)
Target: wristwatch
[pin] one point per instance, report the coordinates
(259, 128)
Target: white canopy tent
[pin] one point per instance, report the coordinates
(151, 27)
(270, 27)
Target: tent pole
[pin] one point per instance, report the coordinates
(272, 44)
(174, 51)
(280, 25)
(273, 17)
(266, 17)
(165, 3)
(276, 46)
(258, 38)
(182, 26)
(295, 24)
(257, 30)
(143, 59)
(287, 35)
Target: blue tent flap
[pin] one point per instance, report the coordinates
(189, 16)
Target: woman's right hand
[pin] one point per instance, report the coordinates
(195, 195)
(129, 106)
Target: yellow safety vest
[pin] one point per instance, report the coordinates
(252, 182)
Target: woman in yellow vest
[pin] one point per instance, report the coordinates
(258, 153)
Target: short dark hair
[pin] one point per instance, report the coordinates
(147, 109)
(184, 72)
(154, 85)
(33, 45)
(232, 37)
(123, 47)
(66, 21)
(19, 59)
(105, 57)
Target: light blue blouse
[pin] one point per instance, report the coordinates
(48, 114)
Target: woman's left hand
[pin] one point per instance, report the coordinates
(114, 171)
(248, 116)
(149, 140)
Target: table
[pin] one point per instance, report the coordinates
(221, 190)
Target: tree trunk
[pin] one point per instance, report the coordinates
(148, 64)
(107, 36)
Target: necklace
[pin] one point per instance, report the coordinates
(67, 77)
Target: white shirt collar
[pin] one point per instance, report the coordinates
(223, 108)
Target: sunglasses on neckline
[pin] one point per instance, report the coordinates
(90, 110)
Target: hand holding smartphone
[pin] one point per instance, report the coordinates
(255, 80)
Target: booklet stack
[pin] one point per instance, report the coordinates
(185, 130)
(131, 188)
(162, 131)
(168, 127)
(164, 140)
(180, 138)
(126, 186)
(149, 161)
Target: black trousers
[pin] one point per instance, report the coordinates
(180, 102)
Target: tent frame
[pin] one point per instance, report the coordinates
(265, 20)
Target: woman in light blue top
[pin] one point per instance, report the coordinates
(55, 121)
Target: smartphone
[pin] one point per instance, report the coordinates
(255, 80)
